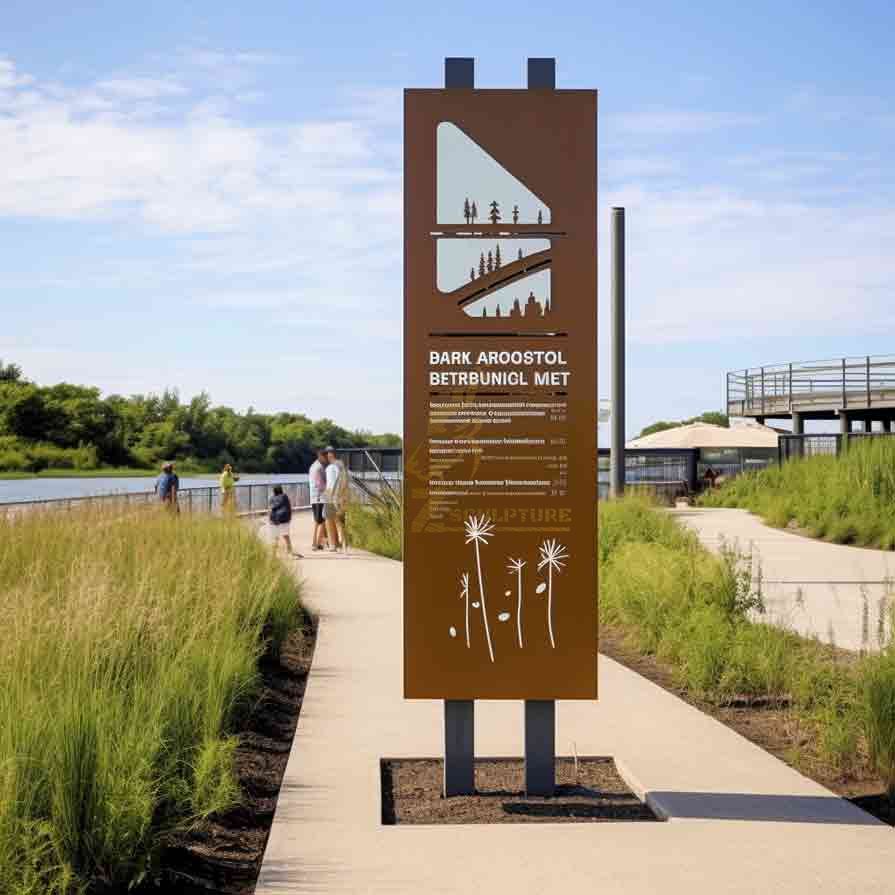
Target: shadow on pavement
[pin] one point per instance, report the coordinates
(749, 806)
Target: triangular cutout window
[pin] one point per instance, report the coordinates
(474, 188)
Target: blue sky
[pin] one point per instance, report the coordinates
(208, 196)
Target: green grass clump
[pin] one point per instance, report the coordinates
(878, 690)
(376, 527)
(848, 499)
(128, 654)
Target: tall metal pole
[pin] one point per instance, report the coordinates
(617, 424)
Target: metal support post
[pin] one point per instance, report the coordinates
(617, 447)
(844, 429)
(798, 423)
(542, 74)
(868, 382)
(459, 715)
(459, 747)
(540, 747)
(887, 425)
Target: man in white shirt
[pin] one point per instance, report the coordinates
(317, 484)
(333, 498)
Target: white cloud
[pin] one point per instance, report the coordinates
(713, 265)
(141, 88)
(190, 167)
(9, 77)
(668, 122)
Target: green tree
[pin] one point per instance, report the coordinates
(713, 417)
(72, 426)
(10, 372)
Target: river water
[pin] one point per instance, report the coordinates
(22, 490)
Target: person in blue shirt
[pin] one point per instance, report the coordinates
(166, 487)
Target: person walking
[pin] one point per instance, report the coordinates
(335, 499)
(166, 487)
(317, 485)
(280, 519)
(228, 490)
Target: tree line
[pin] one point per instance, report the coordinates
(67, 426)
(715, 417)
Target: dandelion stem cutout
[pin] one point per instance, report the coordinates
(515, 566)
(478, 530)
(553, 556)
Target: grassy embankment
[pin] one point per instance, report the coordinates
(848, 499)
(129, 654)
(698, 613)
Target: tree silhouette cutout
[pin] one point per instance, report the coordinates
(520, 254)
(498, 311)
(515, 214)
(467, 210)
(482, 265)
(489, 264)
(497, 257)
(540, 217)
(473, 212)
(494, 214)
(471, 273)
(484, 312)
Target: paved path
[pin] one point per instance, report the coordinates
(741, 821)
(831, 591)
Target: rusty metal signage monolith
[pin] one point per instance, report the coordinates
(500, 408)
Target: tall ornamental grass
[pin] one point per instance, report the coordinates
(129, 651)
(878, 686)
(376, 526)
(849, 499)
(700, 613)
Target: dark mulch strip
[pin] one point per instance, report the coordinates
(773, 727)
(222, 855)
(411, 794)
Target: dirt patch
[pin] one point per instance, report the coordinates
(774, 727)
(591, 791)
(222, 855)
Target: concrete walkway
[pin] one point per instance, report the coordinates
(741, 821)
(835, 592)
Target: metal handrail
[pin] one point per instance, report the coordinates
(766, 389)
(249, 498)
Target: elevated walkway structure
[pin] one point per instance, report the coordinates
(502, 276)
(850, 388)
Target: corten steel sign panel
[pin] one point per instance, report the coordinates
(500, 394)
